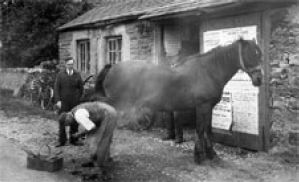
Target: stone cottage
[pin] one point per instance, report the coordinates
(156, 31)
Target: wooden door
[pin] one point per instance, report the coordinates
(241, 118)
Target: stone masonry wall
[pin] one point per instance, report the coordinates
(13, 78)
(284, 78)
(65, 40)
(141, 41)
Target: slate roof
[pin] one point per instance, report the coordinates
(145, 9)
(114, 11)
(185, 7)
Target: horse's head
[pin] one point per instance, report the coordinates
(250, 59)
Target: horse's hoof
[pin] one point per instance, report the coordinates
(167, 138)
(76, 172)
(88, 164)
(179, 141)
(216, 158)
(212, 154)
(199, 160)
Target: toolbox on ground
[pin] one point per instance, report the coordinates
(50, 162)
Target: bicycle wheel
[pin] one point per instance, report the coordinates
(34, 95)
(47, 98)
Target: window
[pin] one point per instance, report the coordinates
(83, 55)
(114, 45)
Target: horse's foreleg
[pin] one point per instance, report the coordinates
(211, 153)
(200, 144)
(203, 140)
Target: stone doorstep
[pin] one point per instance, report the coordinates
(294, 138)
(292, 159)
(291, 155)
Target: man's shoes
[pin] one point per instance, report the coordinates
(76, 143)
(179, 140)
(60, 144)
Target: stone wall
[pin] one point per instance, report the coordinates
(65, 40)
(284, 58)
(141, 41)
(284, 78)
(12, 79)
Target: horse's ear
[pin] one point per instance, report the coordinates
(254, 40)
(241, 38)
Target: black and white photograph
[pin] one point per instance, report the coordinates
(149, 90)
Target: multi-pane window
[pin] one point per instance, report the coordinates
(114, 45)
(83, 55)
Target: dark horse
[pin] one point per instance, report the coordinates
(197, 83)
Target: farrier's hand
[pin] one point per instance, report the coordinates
(58, 104)
(76, 135)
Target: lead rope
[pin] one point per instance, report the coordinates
(241, 58)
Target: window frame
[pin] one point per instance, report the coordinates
(83, 57)
(114, 49)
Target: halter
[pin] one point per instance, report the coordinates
(247, 70)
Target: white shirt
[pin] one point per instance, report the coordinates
(82, 117)
(69, 72)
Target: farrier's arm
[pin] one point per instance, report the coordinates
(82, 117)
(80, 134)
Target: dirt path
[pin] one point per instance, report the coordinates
(13, 166)
(142, 156)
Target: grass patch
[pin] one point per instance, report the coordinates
(19, 107)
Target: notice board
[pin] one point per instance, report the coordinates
(238, 109)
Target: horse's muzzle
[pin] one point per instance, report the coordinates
(257, 81)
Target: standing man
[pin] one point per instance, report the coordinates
(98, 121)
(68, 89)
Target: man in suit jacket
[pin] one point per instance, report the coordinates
(98, 121)
(68, 90)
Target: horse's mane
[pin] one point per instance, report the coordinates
(100, 79)
(223, 53)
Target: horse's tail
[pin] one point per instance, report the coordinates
(99, 87)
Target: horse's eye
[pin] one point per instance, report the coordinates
(257, 52)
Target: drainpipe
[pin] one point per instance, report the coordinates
(1, 35)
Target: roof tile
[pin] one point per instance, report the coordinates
(117, 10)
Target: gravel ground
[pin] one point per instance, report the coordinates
(142, 156)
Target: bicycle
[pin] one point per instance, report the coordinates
(40, 91)
(46, 95)
(34, 92)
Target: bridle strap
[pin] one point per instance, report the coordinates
(242, 65)
(72, 114)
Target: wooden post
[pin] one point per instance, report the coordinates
(264, 97)
(1, 35)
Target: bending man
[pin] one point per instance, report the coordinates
(98, 121)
